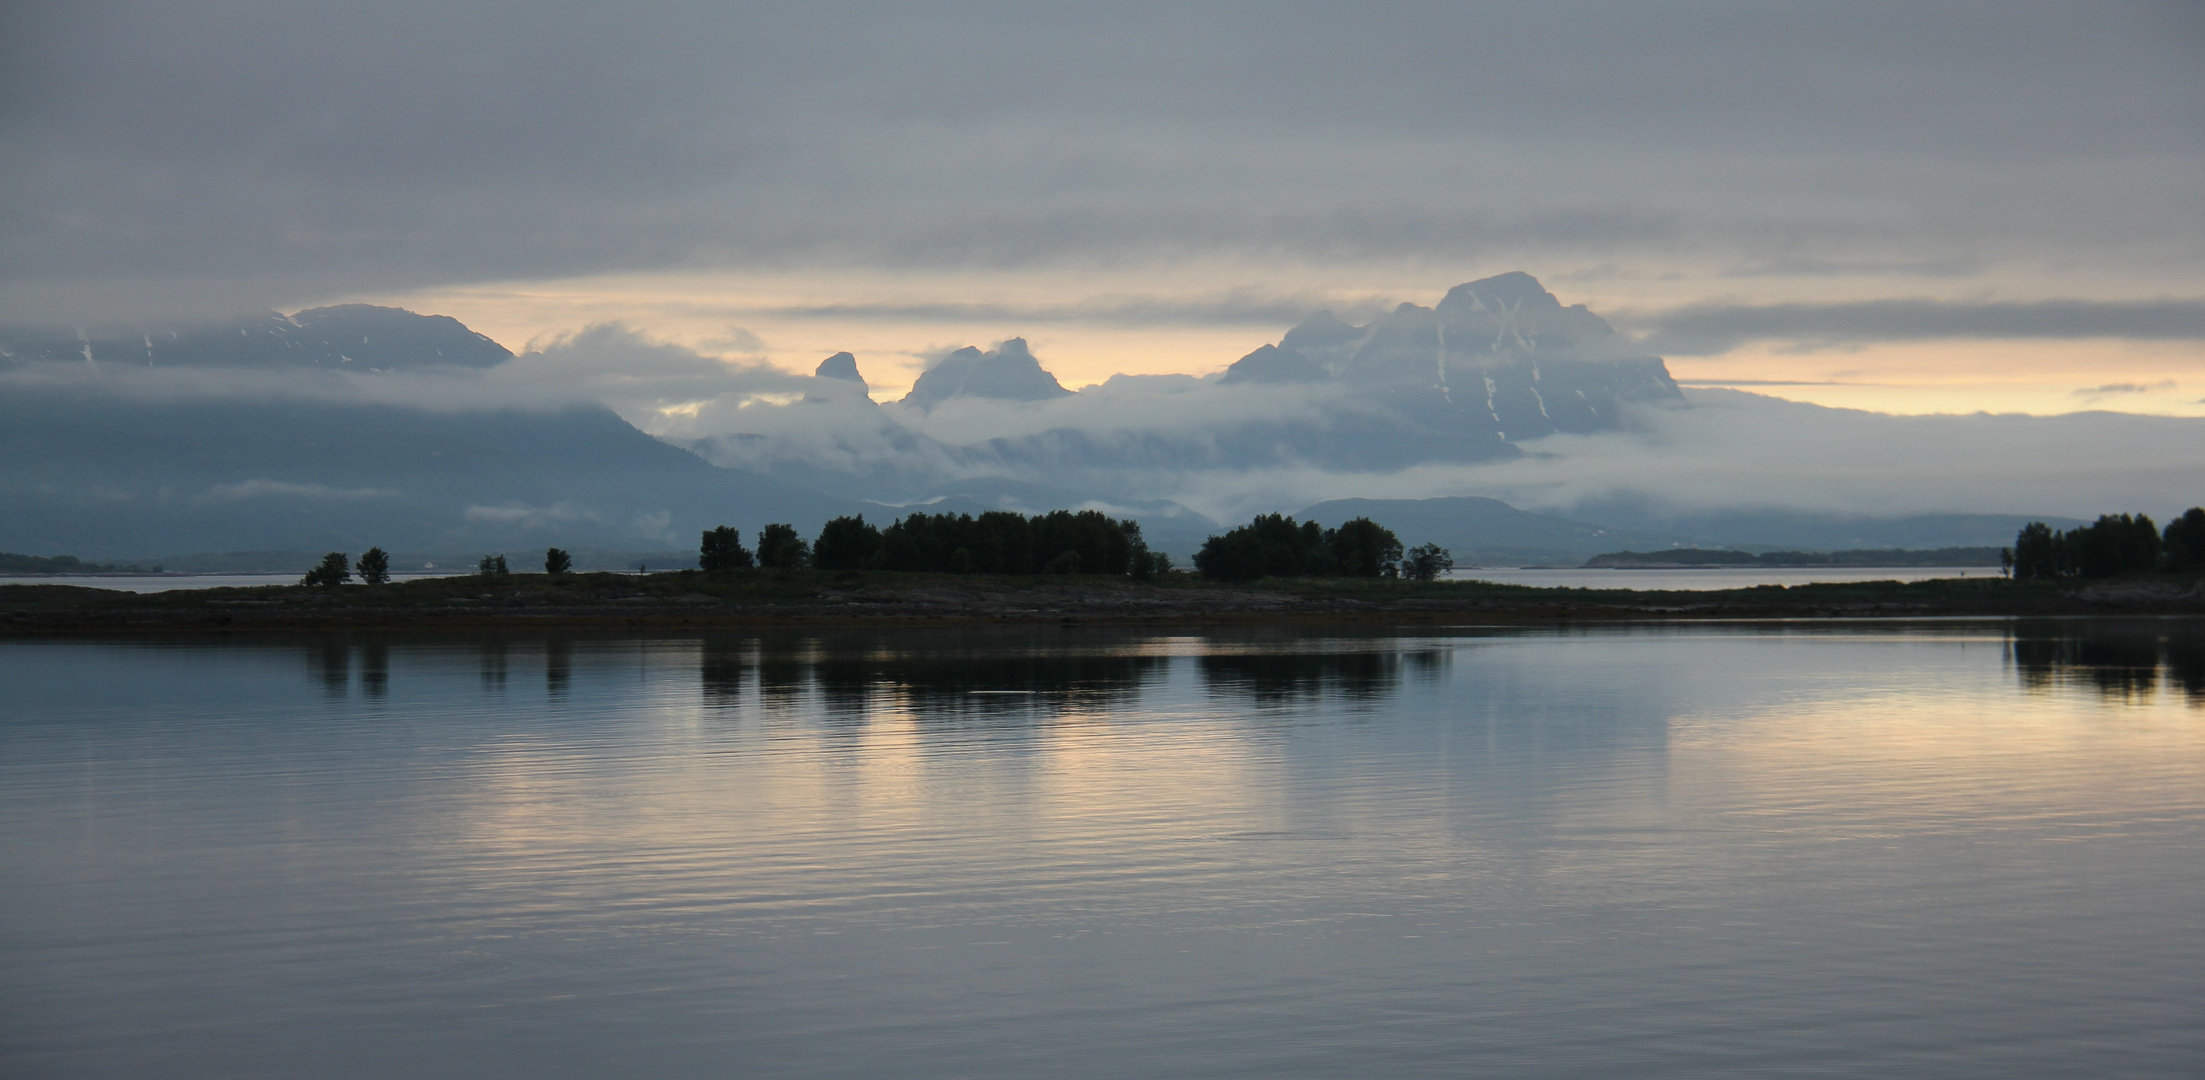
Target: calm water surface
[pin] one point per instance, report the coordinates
(1873, 850)
(1706, 579)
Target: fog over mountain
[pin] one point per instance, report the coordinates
(342, 427)
(1497, 362)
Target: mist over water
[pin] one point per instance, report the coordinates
(1869, 849)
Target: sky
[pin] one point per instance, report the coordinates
(1889, 206)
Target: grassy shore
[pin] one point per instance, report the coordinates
(784, 597)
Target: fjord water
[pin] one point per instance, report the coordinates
(1967, 849)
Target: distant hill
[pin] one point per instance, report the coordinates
(112, 478)
(1890, 557)
(1491, 531)
(1777, 530)
(1478, 530)
(356, 337)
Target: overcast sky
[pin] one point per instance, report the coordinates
(1918, 205)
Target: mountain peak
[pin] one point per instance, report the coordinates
(1273, 364)
(841, 366)
(1010, 373)
(1324, 330)
(347, 337)
(1511, 291)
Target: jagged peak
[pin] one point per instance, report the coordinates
(1009, 372)
(842, 365)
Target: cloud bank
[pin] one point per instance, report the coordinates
(182, 158)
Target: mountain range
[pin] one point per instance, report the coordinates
(340, 427)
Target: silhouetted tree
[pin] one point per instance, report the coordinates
(1004, 542)
(722, 549)
(1273, 545)
(557, 561)
(492, 566)
(1427, 562)
(848, 543)
(779, 547)
(374, 566)
(1363, 548)
(2182, 546)
(2114, 544)
(332, 572)
(2039, 551)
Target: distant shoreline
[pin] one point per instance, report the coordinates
(692, 600)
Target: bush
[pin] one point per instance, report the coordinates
(780, 548)
(557, 561)
(2115, 544)
(847, 543)
(1363, 548)
(1427, 563)
(2182, 546)
(1272, 545)
(332, 572)
(2039, 552)
(1004, 542)
(722, 549)
(374, 566)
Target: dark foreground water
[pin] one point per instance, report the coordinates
(1956, 850)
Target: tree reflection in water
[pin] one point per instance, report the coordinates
(1283, 677)
(374, 670)
(2124, 659)
(947, 676)
(558, 667)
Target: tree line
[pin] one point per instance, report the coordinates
(1274, 545)
(2115, 544)
(995, 542)
(1085, 542)
(373, 567)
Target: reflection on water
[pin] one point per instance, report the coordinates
(559, 667)
(1855, 850)
(2126, 659)
(985, 673)
(976, 672)
(948, 676)
(1360, 673)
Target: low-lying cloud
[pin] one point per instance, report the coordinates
(2111, 389)
(1249, 308)
(1152, 441)
(280, 489)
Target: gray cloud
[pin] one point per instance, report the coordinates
(1237, 309)
(1702, 330)
(2110, 389)
(165, 157)
(1733, 449)
(262, 488)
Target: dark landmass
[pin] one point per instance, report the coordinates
(815, 597)
(12, 563)
(111, 479)
(1879, 558)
